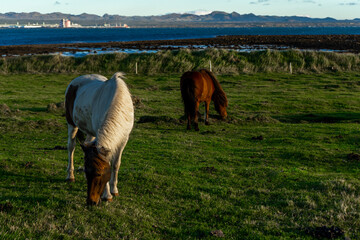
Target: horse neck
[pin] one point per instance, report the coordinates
(219, 96)
(119, 118)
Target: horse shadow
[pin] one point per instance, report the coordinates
(11, 200)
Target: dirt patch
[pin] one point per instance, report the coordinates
(331, 86)
(208, 132)
(270, 80)
(152, 88)
(4, 110)
(261, 118)
(28, 165)
(353, 157)
(159, 120)
(325, 232)
(59, 148)
(56, 107)
(217, 233)
(258, 138)
(137, 102)
(208, 169)
(46, 124)
(232, 120)
(54, 148)
(6, 207)
(321, 118)
(3, 164)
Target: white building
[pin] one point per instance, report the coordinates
(65, 23)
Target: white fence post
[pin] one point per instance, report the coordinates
(290, 67)
(210, 66)
(136, 68)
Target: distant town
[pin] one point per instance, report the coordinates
(63, 23)
(215, 19)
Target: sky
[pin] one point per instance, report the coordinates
(339, 9)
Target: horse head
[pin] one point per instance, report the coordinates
(221, 103)
(97, 171)
(223, 113)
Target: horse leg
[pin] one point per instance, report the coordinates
(106, 196)
(115, 170)
(207, 104)
(196, 120)
(188, 121)
(111, 186)
(71, 148)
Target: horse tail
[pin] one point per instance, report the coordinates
(69, 103)
(219, 96)
(187, 87)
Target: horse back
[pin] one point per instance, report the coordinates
(201, 84)
(73, 92)
(204, 86)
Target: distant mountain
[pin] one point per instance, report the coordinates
(173, 19)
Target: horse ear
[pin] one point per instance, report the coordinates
(103, 151)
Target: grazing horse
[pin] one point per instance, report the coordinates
(201, 86)
(103, 110)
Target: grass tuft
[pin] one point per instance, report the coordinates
(172, 62)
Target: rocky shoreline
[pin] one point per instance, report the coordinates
(341, 43)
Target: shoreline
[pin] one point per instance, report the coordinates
(341, 43)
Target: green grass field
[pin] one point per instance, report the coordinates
(284, 165)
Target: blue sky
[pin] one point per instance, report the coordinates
(339, 9)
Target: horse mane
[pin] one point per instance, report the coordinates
(119, 117)
(187, 88)
(219, 96)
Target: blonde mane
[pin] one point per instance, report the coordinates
(118, 122)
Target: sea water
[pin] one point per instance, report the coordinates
(20, 36)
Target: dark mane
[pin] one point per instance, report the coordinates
(219, 96)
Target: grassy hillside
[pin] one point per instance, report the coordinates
(285, 164)
(177, 62)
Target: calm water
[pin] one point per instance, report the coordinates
(49, 36)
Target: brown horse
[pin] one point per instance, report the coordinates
(201, 86)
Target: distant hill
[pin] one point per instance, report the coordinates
(216, 18)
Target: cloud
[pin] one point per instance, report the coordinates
(199, 12)
(265, 2)
(349, 4)
(57, 3)
(305, 1)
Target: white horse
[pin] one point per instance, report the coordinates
(103, 110)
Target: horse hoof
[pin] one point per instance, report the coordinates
(107, 199)
(115, 194)
(207, 123)
(197, 129)
(70, 180)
